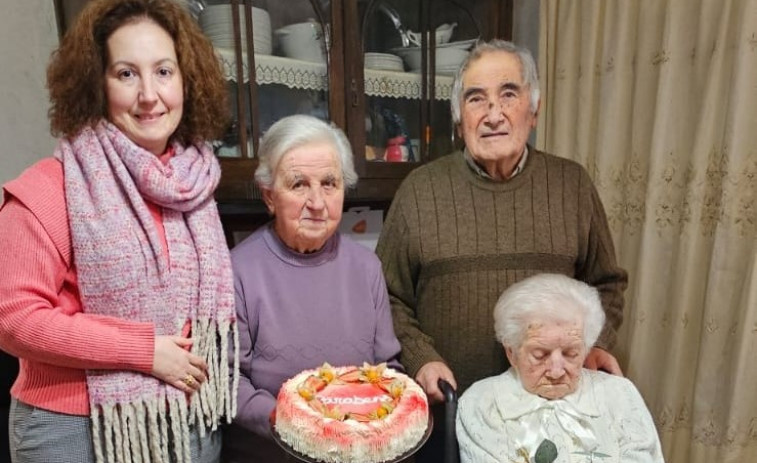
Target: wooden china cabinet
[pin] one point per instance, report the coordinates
(373, 102)
(395, 114)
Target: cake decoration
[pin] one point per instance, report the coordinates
(369, 414)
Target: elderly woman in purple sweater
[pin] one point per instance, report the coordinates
(304, 293)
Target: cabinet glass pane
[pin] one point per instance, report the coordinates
(451, 50)
(393, 92)
(290, 40)
(401, 116)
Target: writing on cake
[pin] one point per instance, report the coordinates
(370, 414)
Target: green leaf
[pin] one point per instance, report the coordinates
(546, 453)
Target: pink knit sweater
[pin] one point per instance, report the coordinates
(41, 319)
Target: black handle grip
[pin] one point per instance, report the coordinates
(451, 451)
(450, 394)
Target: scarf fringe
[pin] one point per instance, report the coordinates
(143, 431)
(231, 406)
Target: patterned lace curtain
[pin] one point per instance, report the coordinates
(658, 98)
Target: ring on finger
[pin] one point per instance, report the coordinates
(189, 380)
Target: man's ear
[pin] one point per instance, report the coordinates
(536, 114)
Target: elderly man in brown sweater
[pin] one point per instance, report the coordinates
(463, 228)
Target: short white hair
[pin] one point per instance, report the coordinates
(547, 296)
(529, 74)
(292, 132)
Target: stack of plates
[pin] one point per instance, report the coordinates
(383, 62)
(216, 22)
(449, 56)
(446, 70)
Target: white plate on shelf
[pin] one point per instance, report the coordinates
(463, 44)
(447, 71)
(383, 62)
(223, 14)
(217, 24)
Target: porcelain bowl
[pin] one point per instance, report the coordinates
(443, 34)
(303, 41)
(448, 56)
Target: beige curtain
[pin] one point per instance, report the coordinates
(658, 99)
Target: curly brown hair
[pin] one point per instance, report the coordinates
(76, 73)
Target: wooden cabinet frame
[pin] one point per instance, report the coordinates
(346, 94)
(379, 181)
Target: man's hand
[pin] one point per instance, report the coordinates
(600, 359)
(428, 377)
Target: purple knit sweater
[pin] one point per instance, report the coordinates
(296, 311)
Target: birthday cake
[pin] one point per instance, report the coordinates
(369, 414)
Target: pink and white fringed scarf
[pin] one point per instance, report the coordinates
(122, 272)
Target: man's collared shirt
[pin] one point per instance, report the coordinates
(478, 170)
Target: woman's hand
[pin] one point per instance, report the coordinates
(175, 365)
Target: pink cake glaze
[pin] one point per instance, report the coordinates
(335, 414)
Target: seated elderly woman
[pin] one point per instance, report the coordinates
(305, 294)
(547, 408)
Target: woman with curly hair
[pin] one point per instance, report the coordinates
(117, 293)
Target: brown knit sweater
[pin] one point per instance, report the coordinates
(453, 241)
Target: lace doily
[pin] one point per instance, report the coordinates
(305, 75)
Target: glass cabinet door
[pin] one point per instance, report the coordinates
(289, 41)
(393, 93)
(275, 56)
(361, 64)
(408, 90)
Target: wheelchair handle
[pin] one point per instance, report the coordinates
(450, 394)
(451, 451)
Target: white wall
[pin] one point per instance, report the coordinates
(28, 34)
